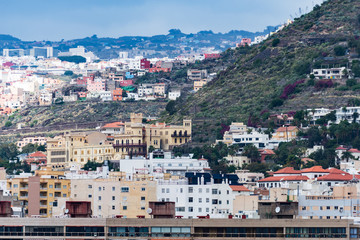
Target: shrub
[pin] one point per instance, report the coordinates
(339, 51)
(275, 42)
(324, 84)
(277, 102)
(311, 82)
(8, 124)
(301, 67)
(351, 82)
(289, 89)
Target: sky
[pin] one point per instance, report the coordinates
(69, 19)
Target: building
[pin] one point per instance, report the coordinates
(285, 134)
(115, 196)
(211, 55)
(195, 74)
(39, 193)
(33, 140)
(199, 84)
(115, 228)
(174, 94)
(38, 158)
(331, 73)
(78, 148)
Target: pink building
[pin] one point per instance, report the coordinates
(211, 55)
(125, 83)
(96, 85)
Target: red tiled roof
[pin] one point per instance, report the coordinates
(315, 169)
(113, 125)
(239, 188)
(341, 148)
(336, 171)
(284, 129)
(354, 150)
(337, 177)
(288, 170)
(37, 154)
(267, 151)
(284, 178)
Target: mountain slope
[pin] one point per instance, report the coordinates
(259, 80)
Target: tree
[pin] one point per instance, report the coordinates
(92, 165)
(170, 107)
(151, 149)
(252, 153)
(30, 148)
(275, 42)
(68, 73)
(8, 124)
(74, 59)
(340, 50)
(351, 82)
(347, 155)
(355, 115)
(124, 94)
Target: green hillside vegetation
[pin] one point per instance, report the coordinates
(273, 76)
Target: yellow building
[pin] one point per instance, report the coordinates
(79, 148)
(286, 133)
(115, 196)
(138, 137)
(39, 193)
(198, 84)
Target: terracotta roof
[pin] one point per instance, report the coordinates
(113, 125)
(239, 188)
(336, 171)
(284, 178)
(341, 148)
(267, 151)
(337, 177)
(315, 169)
(354, 150)
(288, 170)
(37, 154)
(284, 129)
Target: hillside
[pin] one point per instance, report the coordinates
(272, 76)
(78, 113)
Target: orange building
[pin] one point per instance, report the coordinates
(117, 94)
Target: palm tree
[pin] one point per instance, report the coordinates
(355, 115)
(346, 156)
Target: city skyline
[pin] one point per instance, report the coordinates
(40, 20)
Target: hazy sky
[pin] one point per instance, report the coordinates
(65, 19)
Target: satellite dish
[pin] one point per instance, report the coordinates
(66, 210)
(277, 209)
(149, 210)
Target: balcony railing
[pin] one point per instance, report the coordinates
(142, 145)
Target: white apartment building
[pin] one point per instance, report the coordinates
(330, 73)
(259, 140)
(342, 114)
(175, 94)
(194, 201)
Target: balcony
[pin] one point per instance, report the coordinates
(43, 206)
(42, 189)
(180, 135)
(23, 197)
(129, 145)
(43, 196)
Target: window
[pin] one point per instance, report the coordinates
(50, 186)
(64, 186)
(89, 196)
(113, 198)
(99, 198)
(99, 207)
(327, 207)
(200, 210)
(214, 201)
(191, 199)
(214, 191)
(142, 198)
(163, 190)
(207, 200)
(113, 207)
(180, 209)
(200, 200)
(200, 190)
(336, 207)
(321, 208)
(89, 186)
(64, 195)
(168, 190)
(190, 209)
(191, 189)
(303, 208)
(207, 190)
(143, 189)
(181, 190)
(50, 195)
(99, 188)
(124, 189)
(124, 207)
